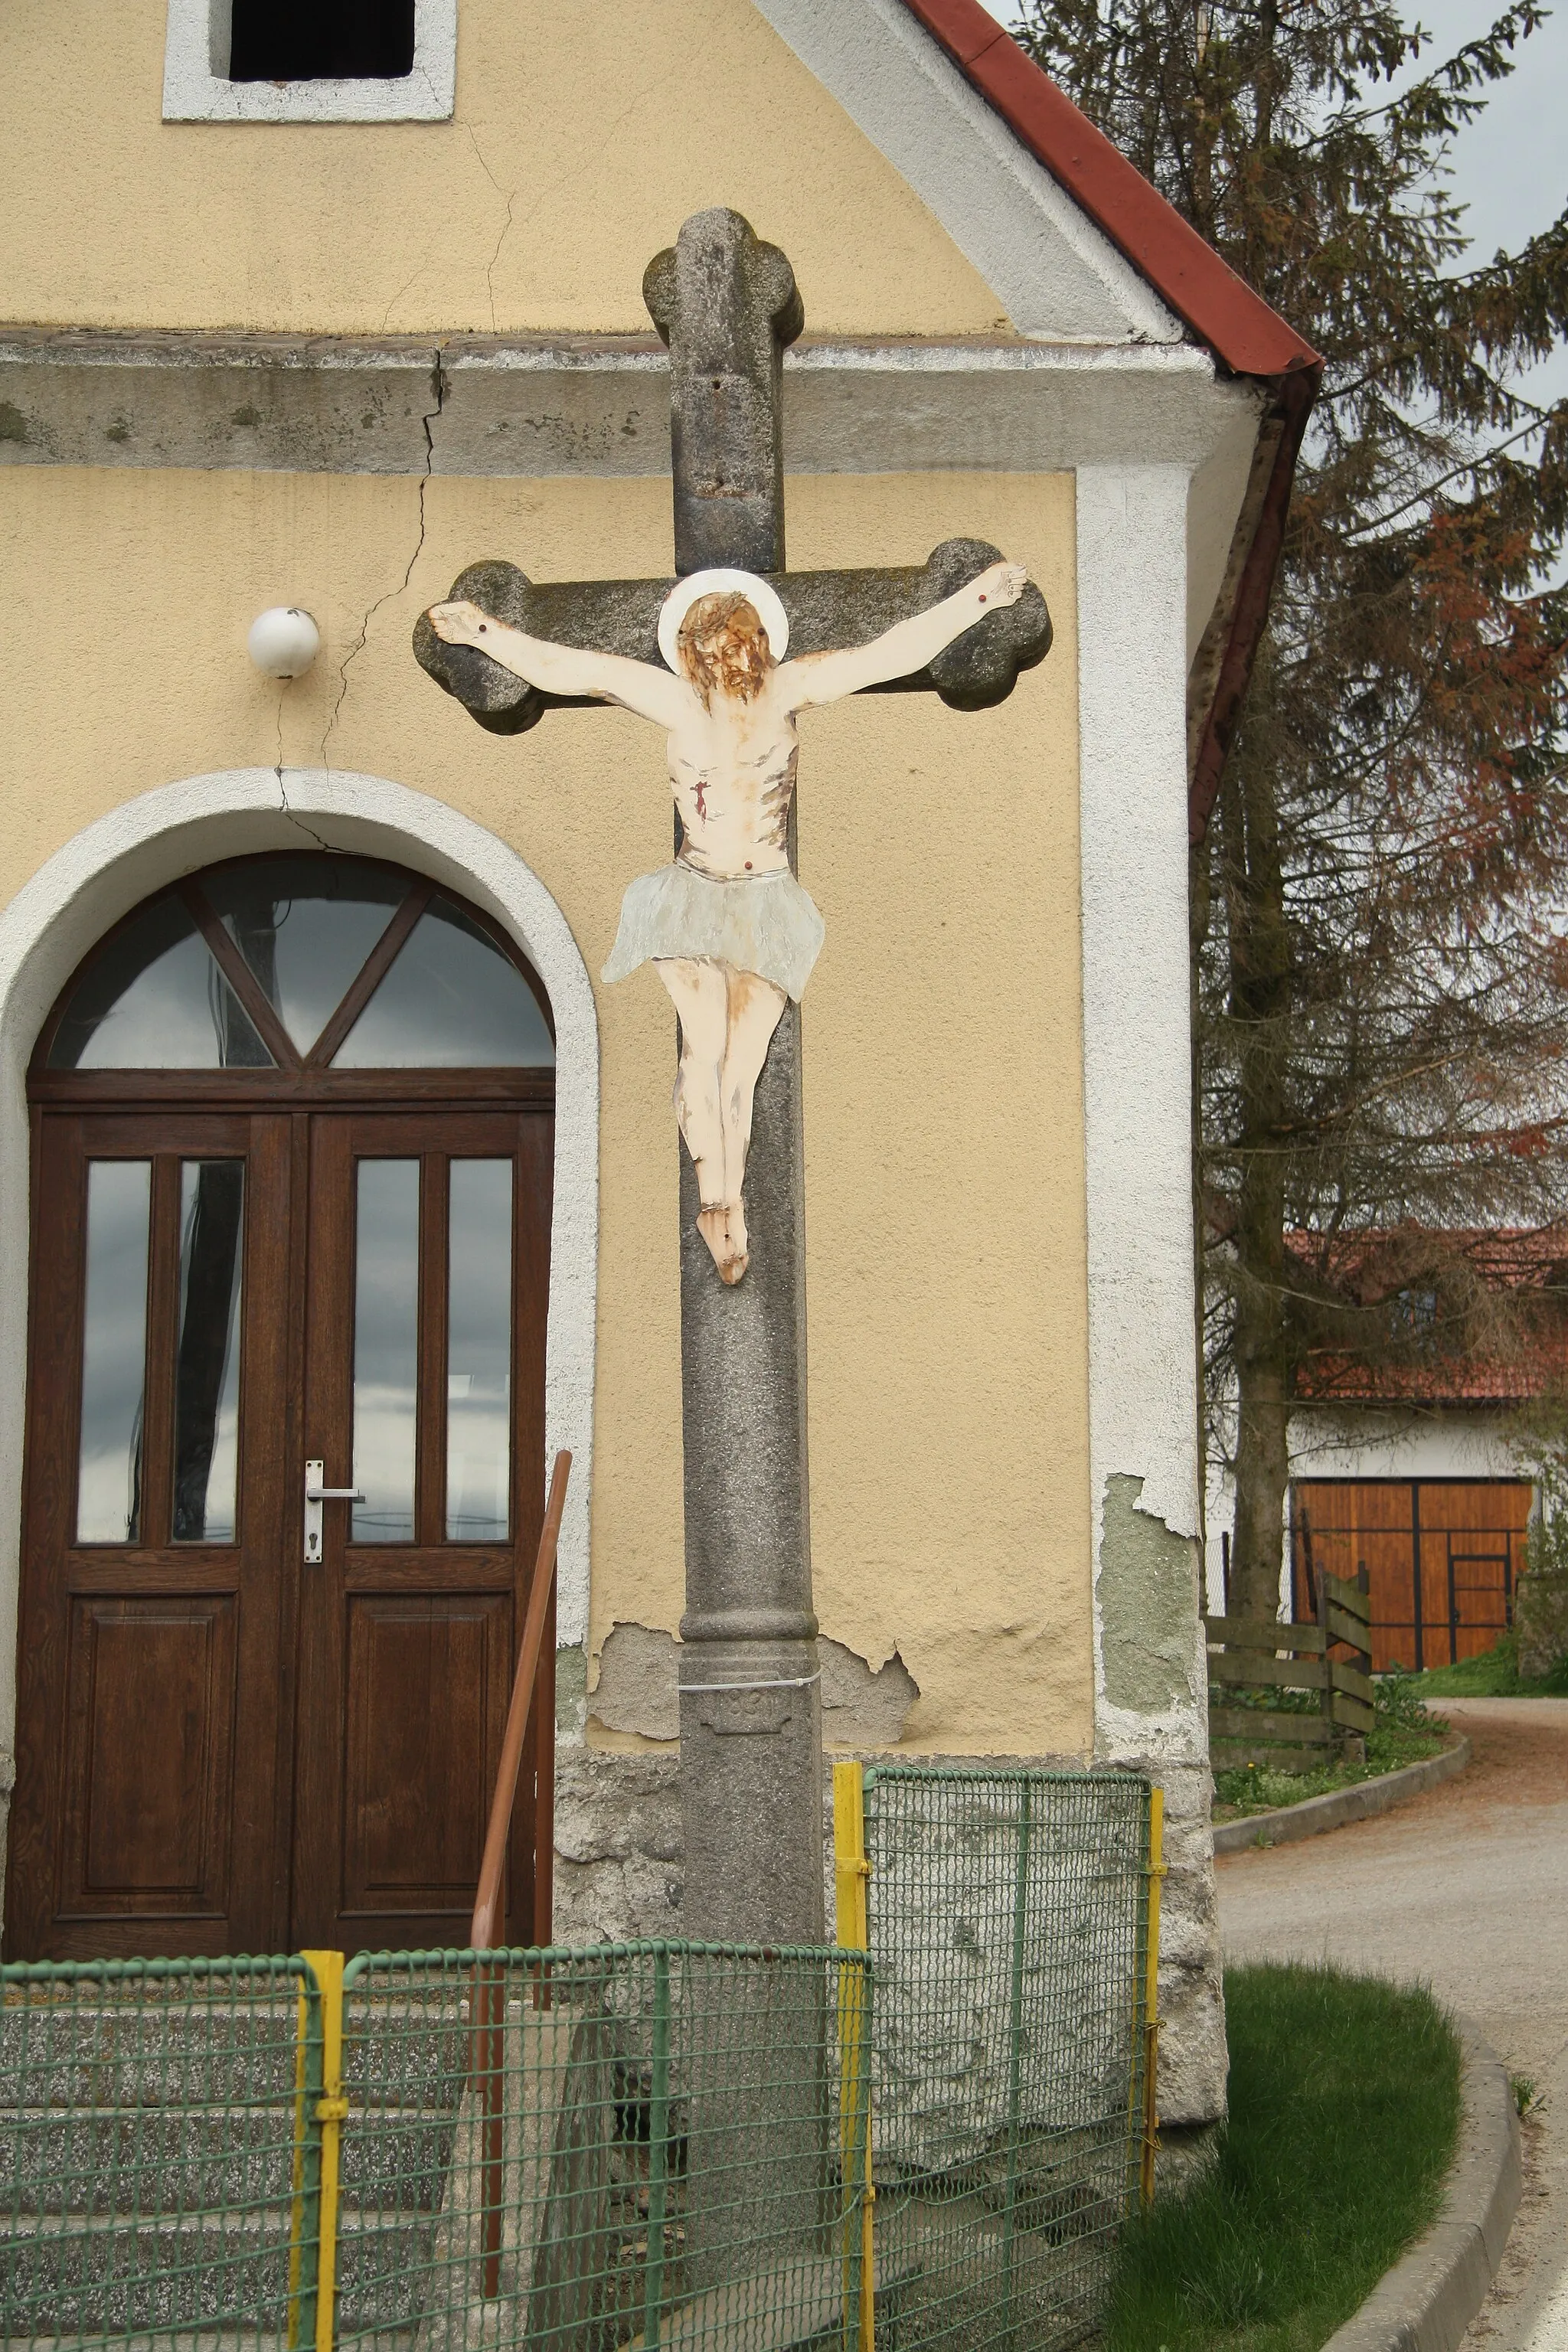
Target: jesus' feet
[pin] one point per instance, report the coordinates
(724, 1231)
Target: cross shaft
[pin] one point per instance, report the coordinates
(750, 1707)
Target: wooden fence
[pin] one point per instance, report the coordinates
(1332, 1658)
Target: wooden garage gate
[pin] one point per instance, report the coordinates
(1442, 1556)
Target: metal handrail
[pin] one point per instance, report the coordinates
(484, 1934)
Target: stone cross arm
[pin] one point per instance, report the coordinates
(826, 609)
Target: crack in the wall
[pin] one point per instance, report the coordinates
(510, 203)
(646, 99)
(431, 415)
(403, 289)
(308, 830)
(638, 1689)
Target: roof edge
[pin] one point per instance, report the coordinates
(1249, 607)
(1244, 333)
(1239, 326)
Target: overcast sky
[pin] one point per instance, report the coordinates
(1512, 167)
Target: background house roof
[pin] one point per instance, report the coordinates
(1519, 1355)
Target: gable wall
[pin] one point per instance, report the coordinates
(582, 136)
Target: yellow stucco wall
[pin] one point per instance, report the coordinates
(583, 135)
(947, 1302)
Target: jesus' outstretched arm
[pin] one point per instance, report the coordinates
(636, 686)
(903, 649)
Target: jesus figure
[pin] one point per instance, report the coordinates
(727, 926)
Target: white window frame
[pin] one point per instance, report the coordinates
(196, 88)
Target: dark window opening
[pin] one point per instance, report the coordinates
(321, 41)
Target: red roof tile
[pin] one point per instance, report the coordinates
(1507, 1261)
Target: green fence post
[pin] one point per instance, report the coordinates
(1015, 2040)
(1151, 1996)
(658, 2151)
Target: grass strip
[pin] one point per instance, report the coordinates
(1404, 1732)
(1244, 1788)
(1345, 2110)
(1494, 1674)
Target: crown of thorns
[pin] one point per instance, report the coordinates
(765, 600)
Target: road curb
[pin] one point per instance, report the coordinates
(1358, 1803)
(1428, 2299)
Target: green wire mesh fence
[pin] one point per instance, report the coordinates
(633, 2146)
(161, 2181)
(1008, 1935)
(628, 2147)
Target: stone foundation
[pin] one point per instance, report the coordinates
(618, 1862)
(618, 1871)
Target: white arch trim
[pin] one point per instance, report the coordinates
(102, 872)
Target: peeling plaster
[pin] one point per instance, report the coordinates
(1148, 1598)
(1151, 1709)
(635, 1688)
(635, 1691)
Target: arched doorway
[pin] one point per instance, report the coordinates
(292, 1150)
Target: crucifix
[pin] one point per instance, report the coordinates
(733, 935)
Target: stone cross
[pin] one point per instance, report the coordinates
(750, 1722)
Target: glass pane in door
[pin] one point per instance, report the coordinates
(114, 1352)
(479, 1352)
(207, 1365)
(451, 1000)
(152, 998)
(305, 924)
(386, 1348)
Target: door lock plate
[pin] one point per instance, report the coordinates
(315, 1496)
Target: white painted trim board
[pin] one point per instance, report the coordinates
(1057, 276)
(1131, 527)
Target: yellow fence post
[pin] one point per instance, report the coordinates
(296, 2281)
(330, 2109)
(1152, 1995)
(850, 1873)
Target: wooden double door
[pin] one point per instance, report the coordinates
(249, 1720)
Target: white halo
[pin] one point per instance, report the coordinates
(770, 611)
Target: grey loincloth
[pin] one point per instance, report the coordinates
(761, 923)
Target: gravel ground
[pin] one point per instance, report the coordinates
(1466, 1889)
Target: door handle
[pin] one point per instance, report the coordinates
(315, 1496)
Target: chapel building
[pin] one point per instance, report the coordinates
(327, 1157)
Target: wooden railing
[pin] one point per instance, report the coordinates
(1251, 1653)
(485, 1932)
(532, 1698)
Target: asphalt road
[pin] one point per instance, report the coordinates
(1467, 1890)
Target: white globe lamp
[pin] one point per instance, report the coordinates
(284, 641)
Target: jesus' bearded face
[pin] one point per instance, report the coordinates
(724, 648)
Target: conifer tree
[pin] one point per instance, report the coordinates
(1380, 900)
